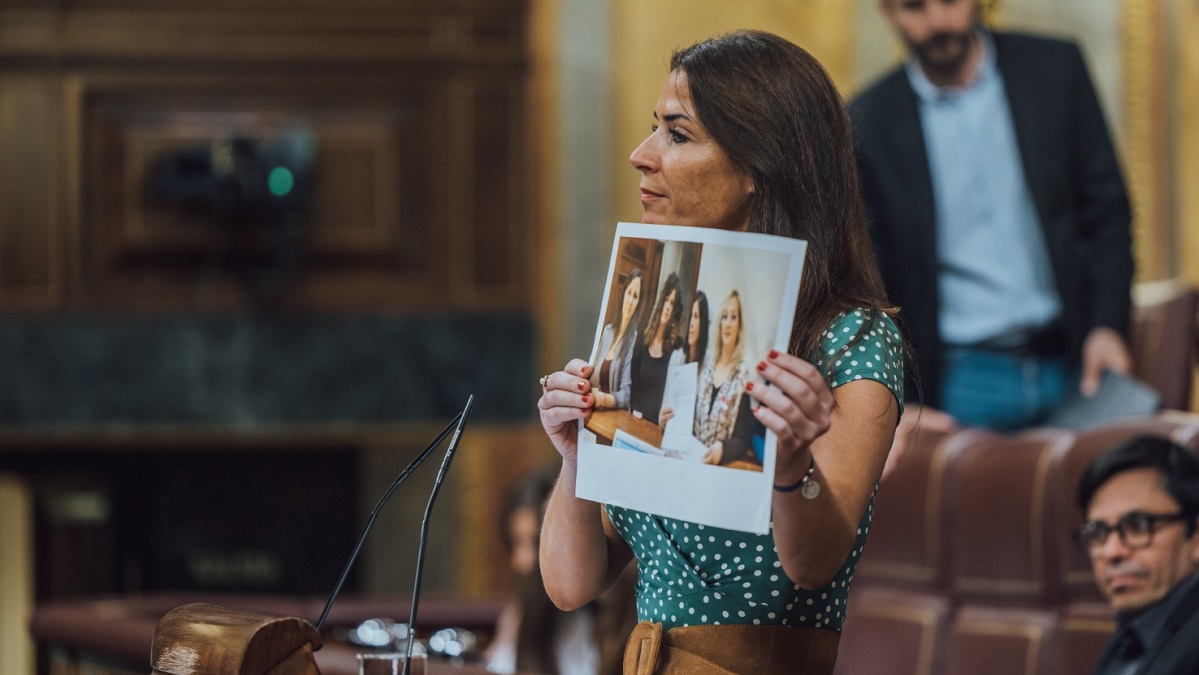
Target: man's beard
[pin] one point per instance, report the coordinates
(944, 53)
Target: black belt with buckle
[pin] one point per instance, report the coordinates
(1047, 340)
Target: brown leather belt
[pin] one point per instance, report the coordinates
(729, 650)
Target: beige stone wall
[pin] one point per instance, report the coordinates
(1186, 120)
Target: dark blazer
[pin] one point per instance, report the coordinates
(1072, 173)
(1178, 650)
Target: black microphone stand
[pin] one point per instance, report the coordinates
(454, 423)
(424, 528)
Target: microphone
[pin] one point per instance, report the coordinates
(424, 528)
(455, 423)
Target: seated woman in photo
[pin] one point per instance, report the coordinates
(723, 416)
(655, 352)
(611, 375)
(694, 348)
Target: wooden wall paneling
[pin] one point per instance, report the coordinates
(374, 214)
(419, 109)
(1146, 143)
(330, 34)
(27, 28)
(486, 207)
(501, 214)
(459, 176)
(31, 194)
(1185, 116)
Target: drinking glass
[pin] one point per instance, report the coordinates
(392, 663)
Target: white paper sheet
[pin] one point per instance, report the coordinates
(670, 479)
(679, 396)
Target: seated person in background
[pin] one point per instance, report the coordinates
(655, 353)
(534, 636)
(1145, 491)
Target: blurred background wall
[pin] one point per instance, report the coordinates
(253, 255)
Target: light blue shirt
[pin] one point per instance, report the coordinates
(995, 277)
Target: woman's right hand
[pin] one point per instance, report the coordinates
(567, 398)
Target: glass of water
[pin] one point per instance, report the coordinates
(392, 663)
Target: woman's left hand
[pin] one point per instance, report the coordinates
(797, 407)
(714, 453)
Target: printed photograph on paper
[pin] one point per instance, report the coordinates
(687, 314)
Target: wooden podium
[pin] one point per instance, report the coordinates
(203, 638)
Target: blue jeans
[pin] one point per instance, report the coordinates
(1001, 391)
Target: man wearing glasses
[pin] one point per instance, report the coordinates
(1141, 501)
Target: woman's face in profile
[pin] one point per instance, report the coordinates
(524, 531)
(668, 307)
(686, 178)
(632, 296)
(693, 325)
(730, 321)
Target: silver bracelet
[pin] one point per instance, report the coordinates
(810, 488)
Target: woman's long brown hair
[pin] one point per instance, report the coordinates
(776, 113)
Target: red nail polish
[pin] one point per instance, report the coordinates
(757, 408)
(774, 353)
(586, 398)
(749, 386)
(582, 383)
(761, 366)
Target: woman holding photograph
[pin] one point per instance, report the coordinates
(750, 134)
(611, 378)
(656, 352)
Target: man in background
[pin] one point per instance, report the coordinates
(999, 216)
(1145, 492)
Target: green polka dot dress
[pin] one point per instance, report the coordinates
(689, 574)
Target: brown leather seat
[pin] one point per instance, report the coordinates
(893, 631)
(907, 538)
(970, 568)
(1163, 340)
(1001, 549)
(986, 640)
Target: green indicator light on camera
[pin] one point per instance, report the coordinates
(280, 181)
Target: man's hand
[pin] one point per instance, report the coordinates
(1103, 349)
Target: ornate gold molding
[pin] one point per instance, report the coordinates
(1145, 147)
(1185, 88)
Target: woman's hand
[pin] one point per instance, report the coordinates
(797, 407)
(664, 416)
(1103, 349)
(567, 398)
(714, 453)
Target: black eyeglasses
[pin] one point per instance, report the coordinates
(1135, 529)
